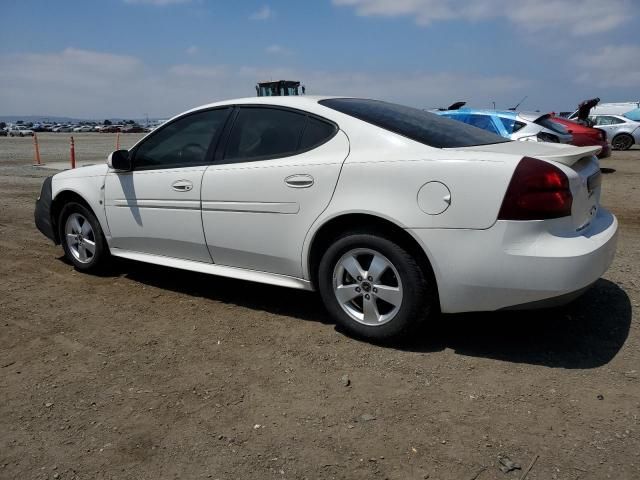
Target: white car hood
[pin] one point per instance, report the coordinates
(565, 154)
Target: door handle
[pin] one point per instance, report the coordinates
(182, 186)
(299, 181)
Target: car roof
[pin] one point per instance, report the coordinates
(477, 111)
(286, 101)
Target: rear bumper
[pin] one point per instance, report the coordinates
(606, 151)
(42, 212)
(517, 263)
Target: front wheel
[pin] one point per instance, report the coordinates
(82, 238)
(374, 288)
(623, 141)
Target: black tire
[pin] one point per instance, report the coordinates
(419, 300)
(622, 141)
(101, 252)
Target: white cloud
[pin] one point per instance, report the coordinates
(265, 13)
(192, 50)
(93, 84)
(615, 66)
(277, 50)
(577, 17)
(156, 3)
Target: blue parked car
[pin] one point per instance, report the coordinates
(530, 126)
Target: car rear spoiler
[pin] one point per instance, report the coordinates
(570, 156)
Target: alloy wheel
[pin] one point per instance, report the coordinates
(367, 286)
(622, 142)
(80, 238)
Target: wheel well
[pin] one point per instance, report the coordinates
(624, 133)
(331, 230)
(59, 202)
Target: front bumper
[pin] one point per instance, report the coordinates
(42, 212)
(517, 263)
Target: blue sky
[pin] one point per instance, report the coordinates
(159, 57)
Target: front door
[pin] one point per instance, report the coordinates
(155, 208)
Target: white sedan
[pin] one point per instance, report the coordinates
(392, 213)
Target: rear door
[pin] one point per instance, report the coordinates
(275, 176)
(155, 208)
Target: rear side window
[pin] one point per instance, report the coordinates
(424, 127)
(181, 143)
(260, 133)
(511, 125)
(316, 132)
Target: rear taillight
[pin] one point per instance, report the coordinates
(538, 190)
(603, 134)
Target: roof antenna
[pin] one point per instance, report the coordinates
(519, 103)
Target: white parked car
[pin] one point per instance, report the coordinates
(83, 128)
(392, 213)
(20, 131)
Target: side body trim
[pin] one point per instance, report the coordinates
(254, 207)
(214, 269)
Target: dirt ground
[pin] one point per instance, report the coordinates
(152, 373)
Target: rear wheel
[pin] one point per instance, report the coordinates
(374, 288)
(82, 238)
(622, 141)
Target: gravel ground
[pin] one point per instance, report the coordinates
(150, 373)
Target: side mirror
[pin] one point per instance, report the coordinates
(119, 160)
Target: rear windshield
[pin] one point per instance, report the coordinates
(546, 122)
(418, 125)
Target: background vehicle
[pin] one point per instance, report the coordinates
(619, 108)
(62, 129)
(110, 129)
(624, 133)
(20, 131)
(3, 132)
(584, 136)
(392, 213)
(514, 125)
(83, 128)
(279, 88)
(633, 115)
(132, 129)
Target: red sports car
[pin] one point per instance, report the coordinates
(584, 136)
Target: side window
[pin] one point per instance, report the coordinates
(316, 132)
(606, 120)
(264, 132)
(509, 124)
(484, 122)
(518, 125)
(181, 143)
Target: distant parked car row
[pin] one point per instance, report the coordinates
(123, 129)
(23, 130)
